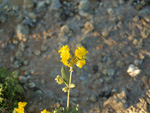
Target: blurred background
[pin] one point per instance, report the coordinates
(116, 77)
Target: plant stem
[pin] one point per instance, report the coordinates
(71, 70)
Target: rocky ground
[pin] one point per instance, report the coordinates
(116, 78)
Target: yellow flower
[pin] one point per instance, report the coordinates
(21, 104)
(64, 54)
(80, 63)
(63, 49)
(59, 80)
(65, 89)
(45, 111)
(20, 110)
(80, 52)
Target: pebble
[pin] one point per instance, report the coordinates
(136, 19)
(65, 29)
(93, 98)
(18, 54)
(74, 93)
(133, 71)
(41, 4)
(31, 85)
(110, 11)
(22, 79)
(111, 72)
(135, 42)
(16, 64)
(22, 31)
(28, 4)
(145, 33)
(84, 8)
(25, 62)
(44, 48)
(89, 26)
(105, 33)
(37, 52)
(55, 5)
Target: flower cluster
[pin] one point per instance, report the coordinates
(20, 108)
(78, 59)
(45, 111)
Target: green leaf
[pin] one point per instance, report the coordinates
(65, 75)
(72, 85)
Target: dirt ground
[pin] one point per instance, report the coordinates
(115, 32)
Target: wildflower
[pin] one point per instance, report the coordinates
(22, 104)
(59, 80)
(20, 108)
(80, 63)
(64, 54)
(80, 52)
(64, 48)
(45, 111)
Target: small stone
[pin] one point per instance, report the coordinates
(55, 5)
(16, 64)
(135, 42)
(119, 63)
(22, 79)
(28, 4)
(37, 52)
(22, 31)
(25, 62)
(111, 72)
(41, 4)
(48, 1)
(15, 42)
(110, 11)
(18, 54)
(31, 85)
(93, 98)
(44, 48)
(89, 26)
(130, 38)
(133, 71)
(136, 19)
(145, 33)
(65, 29)
(84, 8)
(74, 93)
(105, 71)
(12, 59)
(105, 33)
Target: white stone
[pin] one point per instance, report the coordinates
(133, 71)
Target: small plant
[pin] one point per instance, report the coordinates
(9, 91)
(68, 60)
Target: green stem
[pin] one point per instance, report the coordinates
(71, 70)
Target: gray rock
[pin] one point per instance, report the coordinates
(89, 26)
(65, 29)
(31, 85)
(133, 71)
(37, 52)
(18, 54)
(22, 79)
(44, 48)
(84, 8)
(74, 93)
(55, 5)
(22, 31)
(111, 72)
(16, 64)
(117, 102)
(93, 98)
(28, 4)
(41, 4)
(25, 62)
